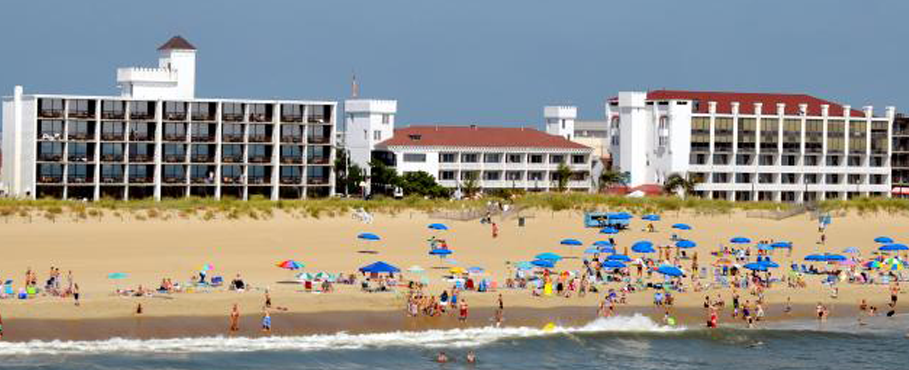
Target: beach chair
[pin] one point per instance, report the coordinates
(885, 280)
(23, 294)
(32, 291)
(217, 281)
(8, 290)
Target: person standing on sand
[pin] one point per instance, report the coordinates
(75, 289)
(267, 299)
(495, 230)
(234, 319)
(500, 312)
(462, 312)
(266, 323)
(1, 327)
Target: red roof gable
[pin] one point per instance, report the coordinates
(746, 102)
(477, 136)
(177, 43)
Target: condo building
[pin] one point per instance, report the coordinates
(752, 146)
(157, 140)
(492, 157)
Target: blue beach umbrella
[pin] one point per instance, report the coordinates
(816, 258)
(781, 245)
(592, 250)
(543, 263)
(851, 250)
(609, 231)
(651, 218)
(884, 239)
(441, 252)
(669, 270)
(613, 264)
(681, 227)
(770, 264)
(476, 270)
(756, 266)
(571, 242)
(764, 247)
(835, 257)
(602, 244)
(117, 275)
(685, 244)
(368, 236)
(643, 246)
(379, 267)
(619, 257)
(892, 247)
(607, 250)
(524, 265)
(438, 227)
(549, 256)
(740, 240)
(620, 216)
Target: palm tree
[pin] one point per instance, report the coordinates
(563, 174)
(676, 183)
(610, 178)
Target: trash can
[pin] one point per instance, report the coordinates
(520, 221)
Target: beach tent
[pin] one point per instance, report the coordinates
(764, 247)
(476, 270)
(592, 250)
(548, 256)
(607, 250)
(670, 270)
(681, 227)
(524, 265)
(613, 264)
(379, 267)
(685, 244)
(368, 236)
(437, 227)
(651, 218)
(835, 257)
(740, 240)
(884, 239)
(620, 216)
(117, 275)
(416, 269)
(571, 242)
(642, 246)
(543, 263)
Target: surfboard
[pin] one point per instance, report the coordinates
(549, 327)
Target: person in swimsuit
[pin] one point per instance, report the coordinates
(441, 358)
(471, 357)
(267, 299)
(462, 314)
(266, 323)
(76, 293)
(235, 319)
(1, 327)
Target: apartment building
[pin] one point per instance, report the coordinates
(752, 146)
(157, 140)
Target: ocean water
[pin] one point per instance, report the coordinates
(631, 342)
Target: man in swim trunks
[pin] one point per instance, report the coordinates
(266, 323)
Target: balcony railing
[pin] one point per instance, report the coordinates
(140, 158)
(255, 180)
(200, 180)
(203, 138)
(175, 116)
(315, 119)
(141, 115)
(291, 118)
(111, 179)
(317, 181)
(259, 117)
(113, 115)
(50, 157)
(50, 179)
(140, 179)
(112, 136)
(81, 114)
(112, 157)
(259, 138)
(50, 113)
(292, 160)
(79, 180)
(140, 137)
(259, 159)
(79, 136)
(291, 180)
(51, 135)
(203, 117)
(233, 138)
(231, 180)
(292, 138)
(175, 137)
(319, 139)
(202, 158)
(78, 158)
(317, 160)
(232, 117)
(174, 180)
(232, 159)
(174, 158)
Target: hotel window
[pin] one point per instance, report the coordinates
(879, 143)
(877, 179)
(535, 176)
(811, 160)
(698, 158)
(814, 136)
(377, 135)
(174, 111)
(556, 158)
(386, 119)
(536, 158)
(720, 178)
(722, 134)
(51, 130)
(492, 175)
(854, 161)
(792, 135)
(446, 175)
(767, 160)
(700, 134)
(470, 158)
(833, 160)
(113, 109)
(836, 131)
(877, 161)
(81, 108)
(448, 157)
(833, 178)
(855, 179)
(513, 175)
(770, 135)
(112, 172)
(470, 175)
(663, 131)
(721, 159)
(292, 113)
(790, 160)
(174, 172)
(614, 130)
(743, 159)
(743, 178)
(766, 178)
(414, 157)
(857, 136)
(788, 178)
(747, 134)
(50, 108)
(578, 159)
(811, 178)
(514, 158)
(232, 112)
(492, 158)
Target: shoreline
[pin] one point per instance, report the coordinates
(359, 322)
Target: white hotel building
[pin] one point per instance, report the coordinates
(747, 146)
(495, 157)
(158, 140)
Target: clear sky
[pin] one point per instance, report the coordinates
(470, 61)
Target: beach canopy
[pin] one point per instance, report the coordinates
(543, 263)
(440, 252)
(851, 250)
(619, 257)
(681, 227)
(642, 246)
(884, 239)
(756, 266)
(651, 218)
(613, 264)
(670, 270)
(549, 256)
(290, 265)
(602, 244)
(723, 261)
(873, 264)
(816, 258)
(117, 275)
(892, 247)
(740, 240)
(609, 230)
(438, 227)
(685, 244)
(368, 236)
(781, 245)
(379, 267)
(571, 242)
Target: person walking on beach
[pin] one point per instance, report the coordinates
(495, 230)
(500, 312)
(234, 319)
(462, 312)
(1, 327)
(75, 288)
(266, 323)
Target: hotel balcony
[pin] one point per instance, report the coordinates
(174, 158)
(259, 117)
(140, 179)
(50, 157)
(80, 136)
(315, 118)
(140, 136)
(291, 180)
(112, 158)
(232, 117)
(202, 158)
(111, 179)
(50, 179)
(175, 180)
(292, 160)
(203, 138)
(231, 180)
(233, 138)
(81, 114)
(317, 160)
(292, 118)
(79, 158)
(259, 138)
(175, 137)
(74, 180)
(259, 180)
(140, 158)
(232, 158)
(203, 117)
(113, 136)
(319, 140)
(113, 115)
(175, 116)
(317, 181)
(292, 138)
(259, 159)
(50, 113)
(200, 180)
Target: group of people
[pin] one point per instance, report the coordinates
(419, 304)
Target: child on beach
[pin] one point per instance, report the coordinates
(495, 230)
(266, 323)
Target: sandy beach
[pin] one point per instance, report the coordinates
(150, 250)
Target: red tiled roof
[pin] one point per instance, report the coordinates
(177, 43)
(746, 102)
(477, 136)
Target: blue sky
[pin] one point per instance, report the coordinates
(470, 62)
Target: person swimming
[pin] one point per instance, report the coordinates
(471, 357)
(441, 357)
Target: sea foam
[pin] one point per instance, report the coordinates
(449, 338)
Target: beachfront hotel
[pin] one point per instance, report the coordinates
(494, 157)
(158, 140)
(751, 146)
